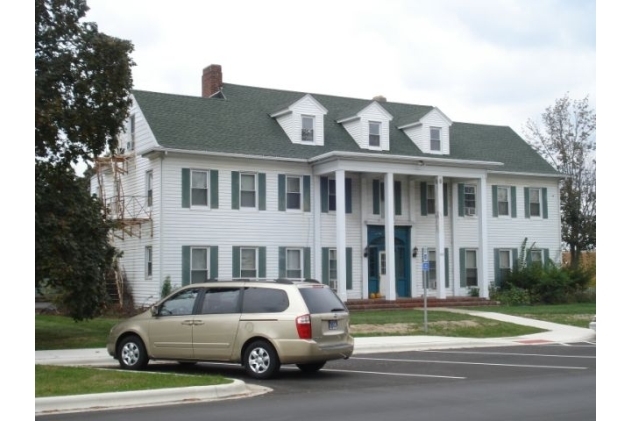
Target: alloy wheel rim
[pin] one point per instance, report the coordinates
(130, 354)
(259, 360)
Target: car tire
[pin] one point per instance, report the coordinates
(311, 367)
(261, 360)
(132, 354)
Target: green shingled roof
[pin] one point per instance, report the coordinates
(241, 124)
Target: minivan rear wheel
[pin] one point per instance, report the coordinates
(311, 367)
(261, 360)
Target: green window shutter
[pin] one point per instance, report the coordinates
(546, 256)
(306, 182)
(282, 262)
(447, 267)
(186, 265)
(423, 198)
(397, 198)
(494, 192)
(463, 271)
(445, 199)
(349, 268)
(214, 189)
(324, 194)
(515, 256)
(526, 202)
(236, 261)
(325, 265)
(375, 197)
(306, 252)
(214, 262)
(186, 188)
(262, 191)
(235, 189)
(496, 261)
(513, 202)
(544, 202)
(528, 257)
(281, 192)
(460, 199)
(348, 186)
(262, 262)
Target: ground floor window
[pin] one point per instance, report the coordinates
(148, 261)
(294, 263)
(248, 263)
(200, 263)
(471, 268)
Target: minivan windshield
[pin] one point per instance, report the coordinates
(321, 300)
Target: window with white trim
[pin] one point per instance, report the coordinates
(333, 266)
(434, 135)
(294, 263)
(248, 262)
(471, 268)
(536, 256)
(307, 132)
(535, 202)
(294, 192)
(248, 190)
(131, 140)
(199, 188)
(374, 134)
(149, 188)
(503, 201)
(148, 261)
(469, 200)
(200, 264)
(505, 263)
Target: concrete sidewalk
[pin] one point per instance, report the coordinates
(554, 333)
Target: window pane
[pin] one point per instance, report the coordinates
(248, 263)
(435, 138)
(221, 301)
(431, 199)
(307, 128)
(247, 182)
(199, 179)
(293, 184)
(293, 259)
(332, 265)
(248, 199)
(374, 133)
(470, 259)
(199, 258)
(504, 259)
(181, 304)
(535, 256)
(293, 200)
(332, 203)
(264, 300)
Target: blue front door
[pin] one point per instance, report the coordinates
(378, 267)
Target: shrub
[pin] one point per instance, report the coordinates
(166, 287)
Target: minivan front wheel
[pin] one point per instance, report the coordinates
(261, 360)
(132, 354)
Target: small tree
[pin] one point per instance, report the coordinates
(568, 142)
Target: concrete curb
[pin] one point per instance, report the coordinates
(117, 400)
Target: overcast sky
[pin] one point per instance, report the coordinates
(492, 62)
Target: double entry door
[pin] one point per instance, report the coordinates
(379, 267)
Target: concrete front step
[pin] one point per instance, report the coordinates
(406, 303)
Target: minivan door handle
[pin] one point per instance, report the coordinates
(188, 322)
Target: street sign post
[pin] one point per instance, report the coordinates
(425, 267)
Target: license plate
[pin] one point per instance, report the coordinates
(332, 324)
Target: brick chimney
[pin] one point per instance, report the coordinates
(211, 80)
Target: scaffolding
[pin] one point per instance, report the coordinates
(128, 213)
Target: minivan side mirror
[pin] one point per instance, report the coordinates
(154, 311)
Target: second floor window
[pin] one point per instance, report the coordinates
(503, 208)
(431, 199)
(332, 204)
(248, 190)
(307, 128)
(434, 134)
(149, 182)
(374, 133)
(293, 193)
(469, 200)
(535, 202)
(199, 188)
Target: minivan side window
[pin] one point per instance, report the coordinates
(264, 300)
(180, 304)
(221, 301)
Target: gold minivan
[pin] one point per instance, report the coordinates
(261, 324)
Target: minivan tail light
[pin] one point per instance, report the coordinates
(303, 326)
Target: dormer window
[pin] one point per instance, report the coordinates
(435, 138)
(374, 134)
(308, 123)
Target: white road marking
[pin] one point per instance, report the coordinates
(393, 374)
(512, 353)
(471, 363)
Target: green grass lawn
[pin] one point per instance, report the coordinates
(578, 315)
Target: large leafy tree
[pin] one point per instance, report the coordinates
(566, 138)
(82, 86)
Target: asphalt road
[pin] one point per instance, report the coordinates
(549, 382)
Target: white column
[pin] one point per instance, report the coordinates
(340, 233)
(440, 239)
(363, 194)
(317, 224)
(483, 282)
(389, 231)
(415, 265)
